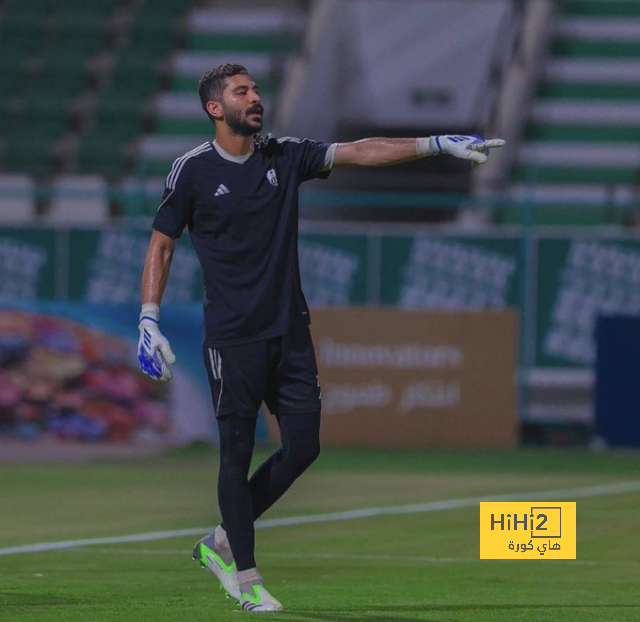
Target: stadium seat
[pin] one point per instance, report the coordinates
(141, 196)
(17, 200)
(87, 9)
(78, 200)
(134, 78)
(584, 126)
(257, 39)
(100, 152)
(18, 8)
(117, 121)
(262, 31)
(26, 152)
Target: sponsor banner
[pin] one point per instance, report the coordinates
(578, 280)
(438, 272)
(532, 530)
(27, 264)
(416, 378)
(573, 279)
(107, 267)
(333, 269)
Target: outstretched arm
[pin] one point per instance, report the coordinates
(387, 151)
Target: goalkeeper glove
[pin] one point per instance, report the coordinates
(474, 147)
(154, 352)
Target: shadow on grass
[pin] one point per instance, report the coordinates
(28, 600)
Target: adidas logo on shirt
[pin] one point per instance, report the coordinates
(222, 189)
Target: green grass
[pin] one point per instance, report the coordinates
(422, 567)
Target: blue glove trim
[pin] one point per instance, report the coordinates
(438, 143)
(151, 366)
(146, 317)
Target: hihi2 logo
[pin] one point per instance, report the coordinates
(519, 530)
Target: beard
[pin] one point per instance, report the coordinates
(237, 120)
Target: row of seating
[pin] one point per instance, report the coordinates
(71, 199)
(76, 199)
(91, 199)
(584, 126)
(260, 39)
(77, 78)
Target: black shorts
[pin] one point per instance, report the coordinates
(280, 371)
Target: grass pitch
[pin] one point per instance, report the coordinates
(395, 568)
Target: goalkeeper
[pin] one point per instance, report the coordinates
(238, 197)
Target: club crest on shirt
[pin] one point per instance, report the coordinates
(271, 176)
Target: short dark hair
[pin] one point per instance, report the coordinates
(214, 81)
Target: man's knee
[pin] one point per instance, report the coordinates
(236, 445)
(303, 452)
(300, 434)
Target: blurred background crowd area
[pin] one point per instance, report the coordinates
(98, 97)
(61, 378)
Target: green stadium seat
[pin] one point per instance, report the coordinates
(140, 196)
(57, 85)
(46, 45)
(602, 8)
(65, 61)
(27, 153)
(176, 125)
(583, 133)
(86, 26)
(17, 200)
(78, 200)
(233, 42)
(568, 174)
(121, 118)
(587, 90)
(54, 115)
(84, 45)
(162, 9)
(152, 168)
(88, 9)
(101, 152)
(19, 8)
(17, 43)
(568, 48)
(13, 78)
(555, 216)
(586, 105)
(134, 80)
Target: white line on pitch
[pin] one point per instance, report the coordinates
(420, 559)
(422, 508)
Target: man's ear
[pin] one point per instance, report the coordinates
(215, 110)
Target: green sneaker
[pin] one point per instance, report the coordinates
(226, 572)
(260, 600)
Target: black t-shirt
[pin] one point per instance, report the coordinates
(243, 221)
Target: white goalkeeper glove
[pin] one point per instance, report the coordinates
(473, 148)
(154, 352)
